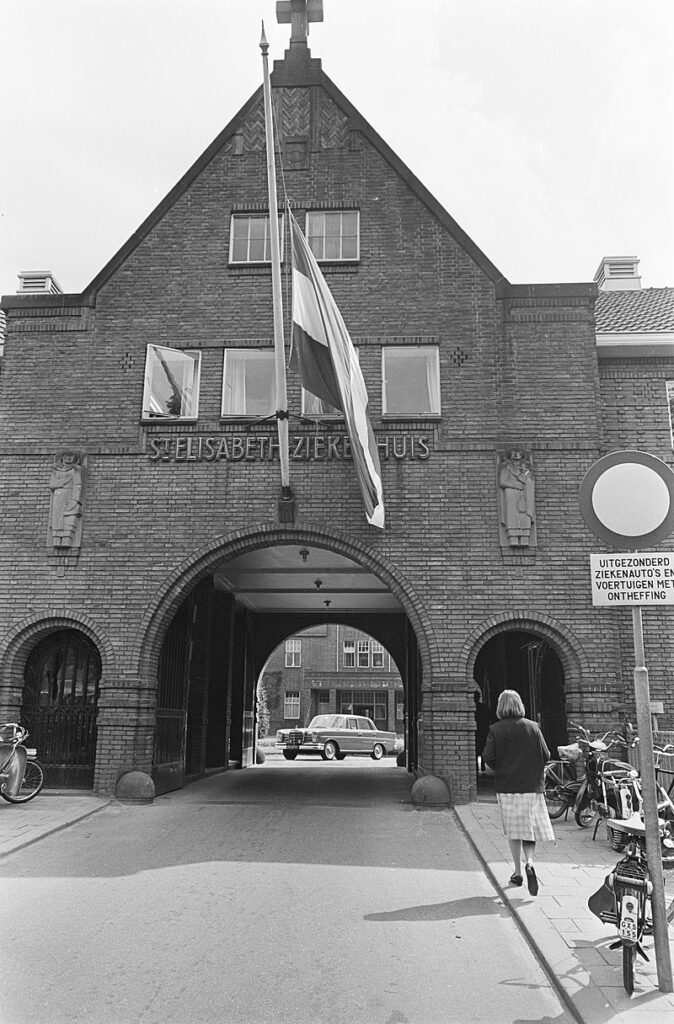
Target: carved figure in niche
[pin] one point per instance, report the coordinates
(66, 485)
(516, 492)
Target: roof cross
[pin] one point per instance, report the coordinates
(299, 13)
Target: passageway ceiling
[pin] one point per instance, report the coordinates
(302, 579)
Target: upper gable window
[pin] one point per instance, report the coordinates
(171, 383)
(248, 382)
(411, 381)
(249, 238)
(334, 235)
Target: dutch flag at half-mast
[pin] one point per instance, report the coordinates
(323, 355)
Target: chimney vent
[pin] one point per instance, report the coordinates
(618, 273)
(39, 282)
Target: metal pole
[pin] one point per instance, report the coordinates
(647, 769)
(279, 348)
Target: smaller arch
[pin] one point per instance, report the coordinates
(20, 639)
(567, 645)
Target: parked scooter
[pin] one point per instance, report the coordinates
(604, 789)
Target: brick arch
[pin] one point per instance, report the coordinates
(150, 633)
(17, 643)
(566, 645)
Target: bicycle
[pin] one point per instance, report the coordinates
(21, 774)
(624, 899)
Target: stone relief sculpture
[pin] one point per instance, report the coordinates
(516, 498)
(66, 484)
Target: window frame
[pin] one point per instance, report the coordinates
(311, 235)
(394, 352)
(293, 653)
(350, 653)
(291, 702)
(147, 416)
(240, 215)
(254, 355)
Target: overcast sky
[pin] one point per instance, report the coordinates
(544, 127)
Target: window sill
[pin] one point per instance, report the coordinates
(427, 417)
(169, 421)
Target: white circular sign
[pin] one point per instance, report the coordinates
(631, 499)
(627, 499)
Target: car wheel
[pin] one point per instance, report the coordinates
(290, 755)
(377, 752)
(330, 751)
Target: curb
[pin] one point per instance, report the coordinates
(50, 831)
(564, 996)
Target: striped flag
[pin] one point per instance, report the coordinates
(325, 359)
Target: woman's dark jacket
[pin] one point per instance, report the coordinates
(516, 751)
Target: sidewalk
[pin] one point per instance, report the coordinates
(570, 941)
(50, 811)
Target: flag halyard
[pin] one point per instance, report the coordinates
(324, 357)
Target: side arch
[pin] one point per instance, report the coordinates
(21, 638)
(566, 644)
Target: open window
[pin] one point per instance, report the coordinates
(171, 383)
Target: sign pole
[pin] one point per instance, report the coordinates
(647, 770)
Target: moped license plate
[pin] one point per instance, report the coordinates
(629, 931)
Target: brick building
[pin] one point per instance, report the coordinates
(332, 669)
(149, 568)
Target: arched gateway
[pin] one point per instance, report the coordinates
(204, 641)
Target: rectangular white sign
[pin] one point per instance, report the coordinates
(637, 577)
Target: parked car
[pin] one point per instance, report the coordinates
(335, 736)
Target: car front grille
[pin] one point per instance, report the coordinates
(295, 738)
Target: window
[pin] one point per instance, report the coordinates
(363, 654)
(411, 381)
(377, 654)
(291, 704)
(249, 239)
(400, 709)
(293, 653)
(323, 696)
(370, 703)
(349, 654)
(171, 383)
(333, 235)
(248, 382)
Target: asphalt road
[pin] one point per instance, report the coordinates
(296, 892)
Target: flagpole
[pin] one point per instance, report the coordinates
(279, 348)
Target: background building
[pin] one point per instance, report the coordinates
(333, 669)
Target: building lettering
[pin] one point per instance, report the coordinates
(265, 448)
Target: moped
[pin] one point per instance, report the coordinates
(21, 774)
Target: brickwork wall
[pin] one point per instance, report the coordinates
(517, 367)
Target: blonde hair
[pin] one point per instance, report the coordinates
(510, 705)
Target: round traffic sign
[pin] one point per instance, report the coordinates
(627, 499)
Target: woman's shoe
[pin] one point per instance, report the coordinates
(532, 881)
(516, 879)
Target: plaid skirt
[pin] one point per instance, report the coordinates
(525, 816)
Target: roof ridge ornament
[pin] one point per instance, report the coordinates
(299, 14)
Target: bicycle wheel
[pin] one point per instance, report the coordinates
(584, 815)
(33, 780)
(629, 956)
(553, 799)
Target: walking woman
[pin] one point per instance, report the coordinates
(516, 751)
